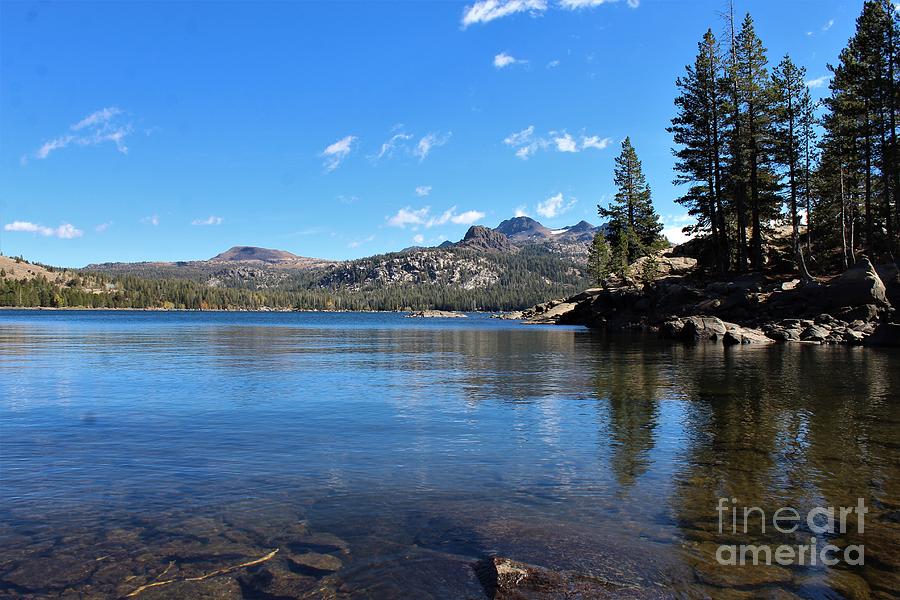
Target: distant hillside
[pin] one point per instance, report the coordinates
(252, 253)
(518, 264)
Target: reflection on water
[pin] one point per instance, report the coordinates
(383, 455)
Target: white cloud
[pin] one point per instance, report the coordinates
(566, 143)
(673, 226)
(151, 220)
(485, 11)
(818, 81)
(408, 216)
(211, 220)
(102, 227)
(96, 128)
(520, 138)
(467, 218)
(100, 117)
(595, 141)
(393, 143)
(521, 211)
(504, 60)
(337, 152)
(66, 231)
(429, 142)
(422, 217)
(579, 4)
(553, 64)
(554, 206)
(418, 238)
(423, 190)
(582, 4)
(527, 144)
(828, 25)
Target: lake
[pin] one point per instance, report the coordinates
(382, 456)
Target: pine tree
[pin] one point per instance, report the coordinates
(697, 128)
(634, 225)
(599, 259)
(862, 123)
(755, 95)
(789, 87)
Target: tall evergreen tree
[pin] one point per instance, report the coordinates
(697, 128)
(755, 97)
(634, 225)
(789, 87)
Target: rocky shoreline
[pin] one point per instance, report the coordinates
(856, 307)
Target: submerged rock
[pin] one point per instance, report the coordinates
(506, 579)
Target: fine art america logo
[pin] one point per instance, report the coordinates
(820, 521)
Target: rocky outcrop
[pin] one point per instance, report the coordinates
(436, 314)
(484, 239)
(747, 309)
(666, 266)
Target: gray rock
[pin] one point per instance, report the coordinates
(858, 285)
(815, 333)
(703, 328)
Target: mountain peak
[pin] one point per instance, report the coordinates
(245, 253)
(484, 238)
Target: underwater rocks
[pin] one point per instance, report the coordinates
(506, 579)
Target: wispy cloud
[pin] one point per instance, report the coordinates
(595, 141)
(423, 190)
(418, 239)
(503, 60)
(151, 220)
(486, 11)
(337, 152)
(553, 64)
(358, 243)
(104, 125)
(527, 144)
(211, 220)
(393, 143)
(422, 217)
(521, 211)
(429, 142)
(555, 206)
(818, 81)
(401, 143)
(102, 227)
(828, 25)
(66, 231)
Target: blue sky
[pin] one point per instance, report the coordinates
(172, 131)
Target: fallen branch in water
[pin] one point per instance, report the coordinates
(202, 577)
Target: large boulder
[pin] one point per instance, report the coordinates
(703, 328)
(858, 285)
(666, 266)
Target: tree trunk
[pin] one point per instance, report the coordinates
(843, 222)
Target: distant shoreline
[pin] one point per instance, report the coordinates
(225, 310)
